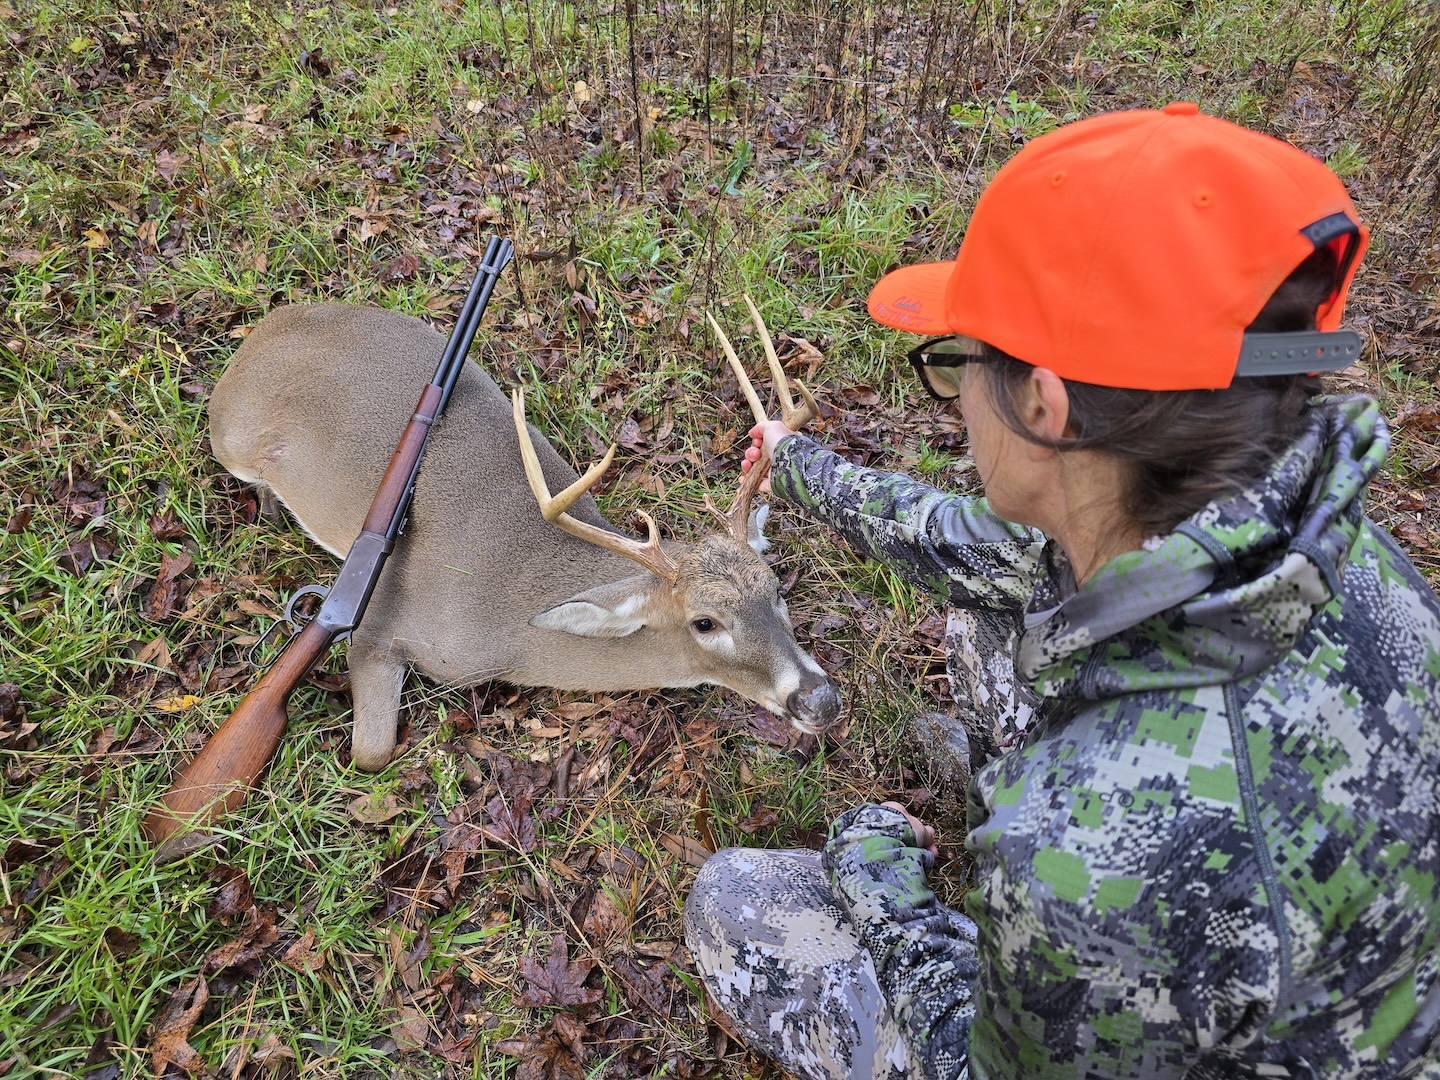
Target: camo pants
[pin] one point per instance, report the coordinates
(782, 962)
(779, 957)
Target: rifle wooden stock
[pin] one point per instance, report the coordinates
(221, 775)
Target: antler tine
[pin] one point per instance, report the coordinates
(736, 519)
(746, 387)
(793, 417)
(552, 507)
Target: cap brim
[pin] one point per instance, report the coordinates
(912, 298)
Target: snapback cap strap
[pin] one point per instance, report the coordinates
(1299, 353)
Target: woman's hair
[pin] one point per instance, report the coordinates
(1186, 447)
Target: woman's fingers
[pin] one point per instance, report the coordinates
(924, 834)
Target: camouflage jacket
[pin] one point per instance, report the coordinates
(1217, 853)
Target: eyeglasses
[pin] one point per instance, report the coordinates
(939, 363)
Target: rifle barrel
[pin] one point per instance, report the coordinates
(498, 253)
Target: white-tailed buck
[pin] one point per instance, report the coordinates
(494, 578)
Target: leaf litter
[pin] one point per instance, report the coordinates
(528, 794)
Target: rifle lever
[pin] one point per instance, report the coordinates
(292, 617)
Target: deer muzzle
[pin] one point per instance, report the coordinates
(814, 706)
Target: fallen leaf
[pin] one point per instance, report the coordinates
(167, 526)
(20, 520)
(409, 961)
(167, 164)
(178, 703)
(400, 268)
(234, 896)
(558, 981)
(256, 934)
(156, 652)
(762, 818)
(160, 600)
(169, 1043)
(769, 728)
(684, 848)
(121, 943)
(84, 552)
(302, 955)
(543, 1056)
(410, 1028)
(604, 920)
(645, 987)
(20, 852)
(311, 61)
(376, 809)
(510, 824)
(16, 731)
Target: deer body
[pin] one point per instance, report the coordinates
(481, 586)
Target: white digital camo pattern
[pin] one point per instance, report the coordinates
(1217, 852)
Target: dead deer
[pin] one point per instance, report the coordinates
(494, 578)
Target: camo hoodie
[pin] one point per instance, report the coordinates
(1216, 854)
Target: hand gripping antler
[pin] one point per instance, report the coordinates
(737, 518)
(552, 507)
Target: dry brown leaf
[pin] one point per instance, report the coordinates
(558, 981)
(762, 817)
(234, 895)
(644, 987)
(168, 164)
(410, 1030)
(604, 920)
(170, 1042)
(376, 809)
(409, 962)
(581, 710)
(685, 848)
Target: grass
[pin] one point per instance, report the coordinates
(168, 175)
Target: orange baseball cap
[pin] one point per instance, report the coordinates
(1132, 249)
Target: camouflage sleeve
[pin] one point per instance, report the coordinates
(925, 955)
(952, 546)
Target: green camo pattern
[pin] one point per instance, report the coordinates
(1216, 852)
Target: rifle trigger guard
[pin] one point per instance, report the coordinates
(292, 616)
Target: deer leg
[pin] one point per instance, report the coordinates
(375, 680)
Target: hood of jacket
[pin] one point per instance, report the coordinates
(1231, 589)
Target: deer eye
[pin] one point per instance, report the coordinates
(703, 626)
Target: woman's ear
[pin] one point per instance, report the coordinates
(1044, 405)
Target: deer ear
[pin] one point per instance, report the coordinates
(614, 610)
(755, 529)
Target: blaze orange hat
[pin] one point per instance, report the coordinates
(1132, 249)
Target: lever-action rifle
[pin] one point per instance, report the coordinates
(220, 776)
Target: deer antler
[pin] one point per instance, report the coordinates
(736, 519)
(552, 507)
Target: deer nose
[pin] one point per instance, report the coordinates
(815, 707)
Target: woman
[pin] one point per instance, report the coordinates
(1207, 839)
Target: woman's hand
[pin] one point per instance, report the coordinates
(924, 834)
(764, 439)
